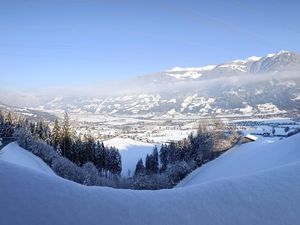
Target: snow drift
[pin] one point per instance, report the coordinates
(247, 159)
(12, 153)
(268, 196)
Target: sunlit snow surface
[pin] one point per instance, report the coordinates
(12, 153)
(256, 183)
(246, 159)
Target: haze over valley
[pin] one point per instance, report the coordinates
(149, 112)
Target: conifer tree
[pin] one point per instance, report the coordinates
(77, 152)
(56, 134)
(66, 142)
(89, 147)
(155, 160)
(8, 119)
(139, 168)
(163, 155)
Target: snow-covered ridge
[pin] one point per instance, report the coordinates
(241, 65)
(198, 69)
(189, 73)
(249, 59)
(246, 159)
(12, 153)
(253, 58)
(278, 53)
(267, 196)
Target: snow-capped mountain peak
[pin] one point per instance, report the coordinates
(249, 59)
(253, 58)
(254, 64)
(203, 68)
(255, 85)
(279, 53)
(189, 72)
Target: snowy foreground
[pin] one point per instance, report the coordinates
(256, 183)
(248, 159)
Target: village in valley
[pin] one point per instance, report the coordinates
(149, 112)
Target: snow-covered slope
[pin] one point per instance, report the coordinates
(246, 159)
(285, 60)
(267, 197)
(189, 73)
(12, 153)
(131, 151)
(251, 86)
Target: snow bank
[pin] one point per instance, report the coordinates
(264, 192)
(131, 151)
(267, 198)
(14, 154)
(250, 158)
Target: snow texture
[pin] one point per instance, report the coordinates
(12, 153)
(264, 192)
(247, 159)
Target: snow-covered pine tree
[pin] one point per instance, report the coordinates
(42, 131)
(7, 129)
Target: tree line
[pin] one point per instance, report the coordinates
(87, 161)
(61, 142)
(176, 159)
(86, 149)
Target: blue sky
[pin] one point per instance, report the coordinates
(58, 43)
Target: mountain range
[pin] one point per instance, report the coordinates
(253, 86)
